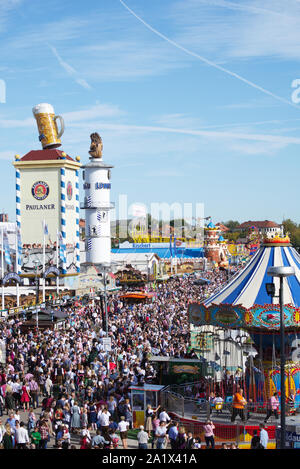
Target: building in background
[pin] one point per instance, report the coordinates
(265, 228)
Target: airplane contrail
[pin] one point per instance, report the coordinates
(207, 61)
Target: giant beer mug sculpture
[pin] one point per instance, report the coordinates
(49, 134)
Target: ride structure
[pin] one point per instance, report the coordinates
(244, 305)
(215, 247)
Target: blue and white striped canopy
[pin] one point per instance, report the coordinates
(249, 286)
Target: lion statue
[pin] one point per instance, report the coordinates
(96, 146)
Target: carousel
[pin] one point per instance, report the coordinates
(245, 308)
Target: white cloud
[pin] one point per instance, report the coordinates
(96, 111)
(246, 30)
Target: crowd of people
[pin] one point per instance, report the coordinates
(66, 384)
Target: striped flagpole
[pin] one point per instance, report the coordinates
(57, 261)
(63, 215)
(77, 251)
(18, 198)
(17, 263)
(44, 261)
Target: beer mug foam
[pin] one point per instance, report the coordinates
(49, 135)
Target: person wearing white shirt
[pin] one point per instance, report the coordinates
(21, 435)
(123, 427)
(164, 417)
(104, 420)
(264, 437)
(143, 438)
(2, 430)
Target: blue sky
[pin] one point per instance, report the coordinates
(192, 98)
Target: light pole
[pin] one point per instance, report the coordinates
(104, 268)
(280, 272)
(36, 262)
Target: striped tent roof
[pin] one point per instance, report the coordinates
(248, 288)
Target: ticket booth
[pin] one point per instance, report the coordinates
(141, 396)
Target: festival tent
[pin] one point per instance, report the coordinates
(163, 253)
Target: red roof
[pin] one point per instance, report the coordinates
(222, 227)
(260, 224)
(41, 155)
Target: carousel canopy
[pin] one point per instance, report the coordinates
(244, 302)
(249, 286)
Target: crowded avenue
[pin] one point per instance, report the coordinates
(66, 391)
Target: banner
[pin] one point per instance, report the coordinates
(11, 276)
(62, 248)
(171, 250)
(51, 270)
(6, 249)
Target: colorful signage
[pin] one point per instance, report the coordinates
(69, 190)
(102, 185)
(40, 190)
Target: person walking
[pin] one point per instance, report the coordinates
(35, 437)
(142, 438)
(255, 441)
(238, 405)
(34, 393)
(26, 396)
(21, 436)
(173, 432)
(75, 418)
(44, 431)
(273, 407)
(209, 434)
(161, 435)
(7, 440)
(264, 437)
(181, 438)
(123, 427)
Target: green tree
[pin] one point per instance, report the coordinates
(293, 229)
(231, 224)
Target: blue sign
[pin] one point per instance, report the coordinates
(102, 185)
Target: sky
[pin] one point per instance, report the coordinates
(196, 101)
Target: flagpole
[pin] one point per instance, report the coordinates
(44, 281)
(16, 267)
(57, 262)
(2, 267)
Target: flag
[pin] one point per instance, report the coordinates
(62, 247)
(89, 244)
(19, 242)
(45, 227)
(171, 250)
(6, 249)
(175, 249)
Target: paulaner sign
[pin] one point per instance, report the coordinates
(40, 207)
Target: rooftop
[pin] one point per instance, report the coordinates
(260, 224)
(42, 155)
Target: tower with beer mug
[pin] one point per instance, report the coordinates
(47, 191)
(97, 205)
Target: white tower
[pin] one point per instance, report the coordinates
(97, 205)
